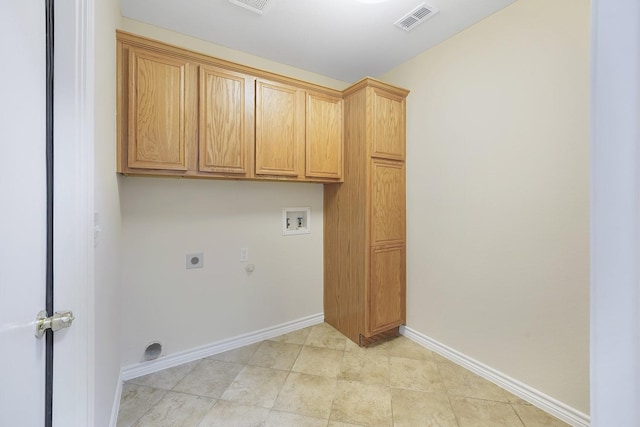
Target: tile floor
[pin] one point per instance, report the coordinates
(317, 377)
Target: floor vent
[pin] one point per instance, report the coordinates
(256, 6)
(416, 17)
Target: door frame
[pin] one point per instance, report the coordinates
(615, 213)
(74, 370)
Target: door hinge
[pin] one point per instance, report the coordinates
(59, 320)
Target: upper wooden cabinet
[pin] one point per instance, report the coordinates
(186, 114)
(388, 128)
(324, 147)
(298, 133)
(279, 129)
(226, 122)
(161, 114)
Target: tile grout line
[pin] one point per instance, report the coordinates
(285, 381)
(335, 389)
(455, 414)
(151, 407)
(389, 386)
(166, 391)
(215, 401)
(517, 415)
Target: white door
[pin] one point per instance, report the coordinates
(22, 210)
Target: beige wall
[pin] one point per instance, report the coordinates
(498, 194)
(218, 51)
(164, 219)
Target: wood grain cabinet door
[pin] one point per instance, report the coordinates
(279, 129)
(159, 113)
(387, 290)
(226, 121)
(388, 206)
(324, 141)
(388, 125)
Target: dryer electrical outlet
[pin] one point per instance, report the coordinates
(195, 260)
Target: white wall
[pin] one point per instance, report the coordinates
(498, 194)
(106, 204)
(165, 218)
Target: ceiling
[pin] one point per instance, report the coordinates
(341, 39)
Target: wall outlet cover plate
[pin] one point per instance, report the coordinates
(195, 260)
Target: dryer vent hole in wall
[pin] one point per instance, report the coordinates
(153, 351)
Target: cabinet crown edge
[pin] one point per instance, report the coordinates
(375, 83)
(149, 43)
(135, 40)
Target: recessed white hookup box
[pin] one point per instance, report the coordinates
(296, 221)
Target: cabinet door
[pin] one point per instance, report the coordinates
(226, 121)
(388, 210)
(388, 125)
(324, 142)
(279, 129)
(387, 289)
(159, 113)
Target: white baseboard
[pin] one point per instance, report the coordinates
(169, 361)
(115, 408)
(546, 403)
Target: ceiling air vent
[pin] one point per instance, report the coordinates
(256, 6)
(416, 17)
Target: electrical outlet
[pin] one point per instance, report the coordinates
(195, 260)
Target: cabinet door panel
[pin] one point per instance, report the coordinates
(279, 129)
(388, 125)
(226, 135)
(324, 145)
(158, 113)
(387, 306)
(388, 211)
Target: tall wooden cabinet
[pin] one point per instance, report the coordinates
(365, 236)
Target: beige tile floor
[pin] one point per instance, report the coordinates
(317, 377)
